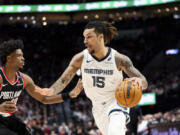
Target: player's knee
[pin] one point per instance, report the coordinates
(117, 124)
(116, 130)
(113, 131)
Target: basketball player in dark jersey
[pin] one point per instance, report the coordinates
(12, 82)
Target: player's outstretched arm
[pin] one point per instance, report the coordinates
(124, 63)
(68, 74)
(72, 94)
(33, 90)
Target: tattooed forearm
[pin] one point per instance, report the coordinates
(64, 80)
(69, 73)
(132, 72)
(126, 64)
(58, 86)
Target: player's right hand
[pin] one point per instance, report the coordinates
(8, 106)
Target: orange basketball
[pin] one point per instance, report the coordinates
(128, 94)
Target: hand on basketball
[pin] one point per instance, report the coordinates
(135, 80)
(128, 93)
(8, 106)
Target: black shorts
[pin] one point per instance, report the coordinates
(13, 126)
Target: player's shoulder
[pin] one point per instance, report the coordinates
(121, 59)
(78, 57)
(80, 54)
(23, 74)
(119, 56)
(26, 77)
(77, 60)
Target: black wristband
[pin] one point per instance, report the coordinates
(65, 96)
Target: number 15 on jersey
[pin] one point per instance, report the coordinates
(98, 81)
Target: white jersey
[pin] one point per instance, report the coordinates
(100, 77)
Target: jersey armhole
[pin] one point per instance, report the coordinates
(24, 83)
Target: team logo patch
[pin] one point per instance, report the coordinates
(3, 85)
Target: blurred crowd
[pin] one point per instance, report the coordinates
(43, 119)
(149, 119)
(166, 85)
(49, 49)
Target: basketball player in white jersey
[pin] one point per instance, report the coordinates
(101, 69)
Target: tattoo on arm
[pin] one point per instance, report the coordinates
(126, 64)
(67, 76)
(57, 86)
(64, 80)
(128, 67)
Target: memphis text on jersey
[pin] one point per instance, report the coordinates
(98, 71)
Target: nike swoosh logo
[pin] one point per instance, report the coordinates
(109, 59)
(3, 85)
(89, 61)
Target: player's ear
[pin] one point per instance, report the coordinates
(101, 36)
(8, 58)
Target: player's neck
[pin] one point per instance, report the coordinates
(10, 73)
(101, 53)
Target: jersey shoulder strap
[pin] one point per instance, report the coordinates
(20, 76)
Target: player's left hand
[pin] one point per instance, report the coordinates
(137, 80)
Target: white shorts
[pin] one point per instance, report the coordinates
(102, 113)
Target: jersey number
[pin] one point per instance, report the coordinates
(98, 81)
